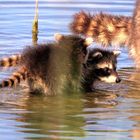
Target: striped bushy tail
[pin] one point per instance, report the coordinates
(15, 78)
(103, 28)
(80, 23)
(10, 61)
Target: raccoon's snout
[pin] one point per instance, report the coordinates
(118, 80)
(112, 78)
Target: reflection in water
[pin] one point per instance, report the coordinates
(53, 117)
(101, 114)
(63, 117)
(132, 78)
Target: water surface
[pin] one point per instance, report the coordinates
(110, 113)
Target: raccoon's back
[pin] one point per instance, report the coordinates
(36, 59)
(48, 67)
(104, 28)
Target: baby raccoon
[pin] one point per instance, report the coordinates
(104, 28)
(66, 65)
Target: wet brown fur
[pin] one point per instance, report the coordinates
(47, 63)
(104, 28)
(135, 35)
(54, 67)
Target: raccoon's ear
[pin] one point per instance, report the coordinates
(116, 52)
(58, 36)
(88, 41)
(97, 55)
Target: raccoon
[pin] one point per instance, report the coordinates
(56, 67)
(104, 28)
(135, 35)
(46, 63)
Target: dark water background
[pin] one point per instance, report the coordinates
(112, 113)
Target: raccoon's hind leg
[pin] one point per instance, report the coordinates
(15, 78)
(10, 61)
(38, 86)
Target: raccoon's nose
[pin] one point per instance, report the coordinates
(118, 80)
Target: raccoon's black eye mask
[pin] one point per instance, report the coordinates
(103, 71)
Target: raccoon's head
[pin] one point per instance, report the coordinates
(103, 64)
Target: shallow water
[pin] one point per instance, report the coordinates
(110, 113)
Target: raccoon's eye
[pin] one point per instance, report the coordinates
(90, 61)
(107, 70)
(103, 72)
